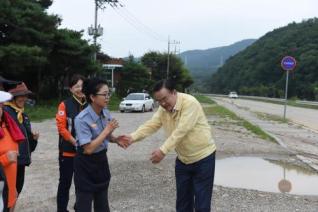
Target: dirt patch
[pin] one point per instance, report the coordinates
(235, 140)
(138, 185)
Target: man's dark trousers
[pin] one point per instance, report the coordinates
(65, 182)
(195, 184)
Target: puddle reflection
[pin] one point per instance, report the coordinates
(264, 175)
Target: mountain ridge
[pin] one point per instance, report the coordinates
(257, 70)
(206, 61)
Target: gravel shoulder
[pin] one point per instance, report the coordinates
(138, 185)
(297, 139)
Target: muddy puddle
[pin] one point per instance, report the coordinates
(265, 175)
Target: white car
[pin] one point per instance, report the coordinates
(137, 102)
(233, 95)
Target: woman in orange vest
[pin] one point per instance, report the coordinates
(10, 137)
(67, 111)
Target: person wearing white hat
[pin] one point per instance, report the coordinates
(4, 96)
(10, 137)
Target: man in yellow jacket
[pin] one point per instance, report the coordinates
(189, 134)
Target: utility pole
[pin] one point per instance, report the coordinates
(97, 30)
(168, 60)
(176, 50)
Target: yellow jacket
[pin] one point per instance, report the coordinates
(186, 128)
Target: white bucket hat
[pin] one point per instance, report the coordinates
(4, 96)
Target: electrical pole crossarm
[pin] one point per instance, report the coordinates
(174, 42)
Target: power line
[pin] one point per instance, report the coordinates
(138, 25)
(134, 25)
(145, 26)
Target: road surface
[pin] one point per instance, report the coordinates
(303, 116)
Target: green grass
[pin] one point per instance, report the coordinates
(272, 117)
(217, 110)
(114, 103)
(204, 99)
(47, 109)
(42, 110)
(258, 131)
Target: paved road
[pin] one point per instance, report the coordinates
(300, 141)
(303, 116)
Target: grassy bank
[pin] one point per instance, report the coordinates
(47, 110)
(271, 117)
(114, 103)
(42, 110)
(216, 110)
(204, 99)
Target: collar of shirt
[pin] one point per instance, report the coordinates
(79, 101)
(94, 115)
(177, 106)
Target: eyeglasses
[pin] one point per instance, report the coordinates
(166, 98)
(106, 95)
(163, 100)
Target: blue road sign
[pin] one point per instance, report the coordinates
(288, 63)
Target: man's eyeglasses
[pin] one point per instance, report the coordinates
(166, 98)
(106, 95)
(163, 100)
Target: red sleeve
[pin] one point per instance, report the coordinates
(61, 122)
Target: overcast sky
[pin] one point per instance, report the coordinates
(143, 25)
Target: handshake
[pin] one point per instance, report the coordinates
(124, 141)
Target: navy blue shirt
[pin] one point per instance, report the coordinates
(89, 125)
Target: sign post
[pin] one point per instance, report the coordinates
(288, 63)
(284, 185)
(112, 67)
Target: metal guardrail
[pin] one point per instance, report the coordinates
(301, 102)
(307, 102)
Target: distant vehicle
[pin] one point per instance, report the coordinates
(233, 94)
(137, 102)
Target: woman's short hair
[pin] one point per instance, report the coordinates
(92, 86)
(75, 78)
